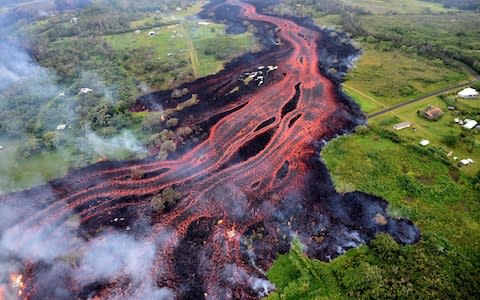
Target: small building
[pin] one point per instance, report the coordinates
(74, 20)
(152, 33)
(137, 32)
(469, 124)
(451, 107)
(433, 113)
(61, 126)
(424, 143)
(468, 93)
(84, 91)
(203, 23)
(1, 147)
(402, 125)
(466, 162)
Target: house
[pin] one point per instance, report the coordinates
(61, 126)
(137, 32)
(1, 147)
(152, 33)
(424, 143)
(74, 20)
(84, 91)
(469, 124)
(466, 162)
(451, 107)
(203, 23)
(402, 125)
(433, 113)
(468, 93)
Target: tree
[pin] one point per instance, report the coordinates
(168, 198)
(450, 140)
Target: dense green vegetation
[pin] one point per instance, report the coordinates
(420, 184)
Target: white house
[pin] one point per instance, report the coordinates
(467, 161)
(61, 126)
(402, 125)
(85, 91)
(469, 124)
(468, 93)
(424, 142)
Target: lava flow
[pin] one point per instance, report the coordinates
(254, 184)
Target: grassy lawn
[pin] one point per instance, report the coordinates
(398, 7)
(384, 78)
(434, 131)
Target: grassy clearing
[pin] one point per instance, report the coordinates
(179, 53)
(384, 78)
(397, 7)
(16, 174)
(435, 131)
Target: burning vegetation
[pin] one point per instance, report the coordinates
(207, 223)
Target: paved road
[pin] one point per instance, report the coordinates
(436, 93)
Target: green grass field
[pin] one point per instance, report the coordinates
(383, 78)
(186, 44)
(16, 174)
(397, 7)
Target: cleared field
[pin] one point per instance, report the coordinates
(178, 52)
(435, 131)
(398, 7)
(384, 78)
(16, 174)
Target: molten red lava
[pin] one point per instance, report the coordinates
(254, 183)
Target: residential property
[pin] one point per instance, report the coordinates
(468, 93)
(1, 147)
(433, 113)
(424, 143)
(61, 126)
(466, 162)
(203, 23)
(152, 33)
(137, 32)
(402, 125)
(469, 124)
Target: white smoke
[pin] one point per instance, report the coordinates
(125, 141)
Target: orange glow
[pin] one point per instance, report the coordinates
(2, 293)
(16, 282)
(231, 233)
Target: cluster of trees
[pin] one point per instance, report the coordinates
(166, 199)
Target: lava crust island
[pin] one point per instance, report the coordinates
(250, 187)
